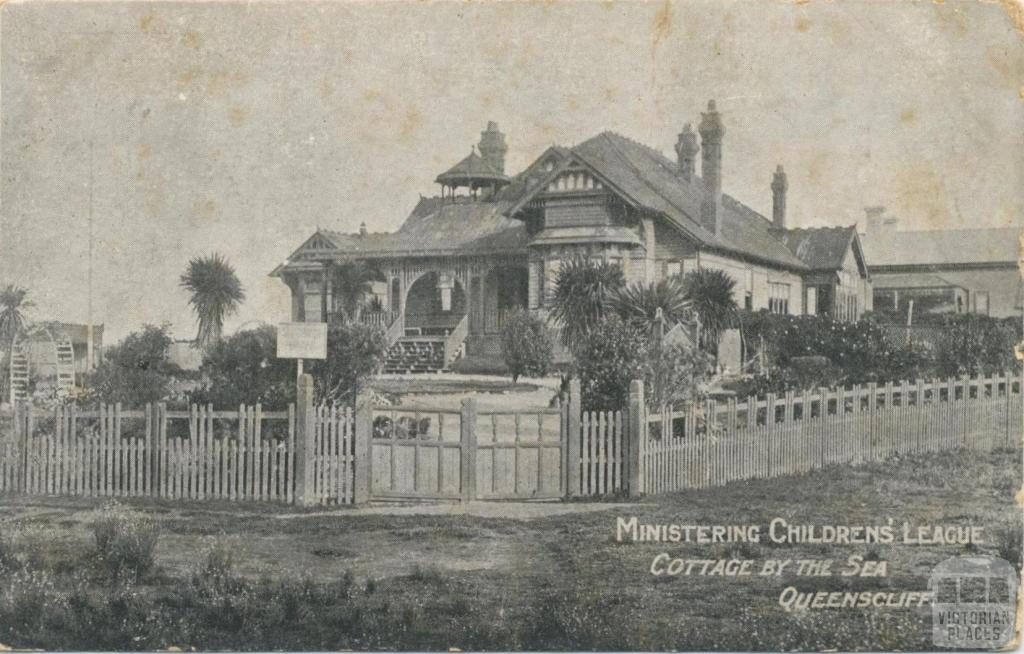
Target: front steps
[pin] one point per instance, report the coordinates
(411, 354)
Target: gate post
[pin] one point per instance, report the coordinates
(21, 436)
(572, 445)
(362, 481)
(468, 456)
(637, 437)
(304, 441)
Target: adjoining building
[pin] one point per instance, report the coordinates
(491, 243)
(942, 270)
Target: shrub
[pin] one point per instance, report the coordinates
(525, 345)
(125, 542)
(354, 353)
(135, 371)
(609, 358)
(674, 373)
(1008, 539)
(244, 369)
(972, 344)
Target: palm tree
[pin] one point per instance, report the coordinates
(350, 283)
(640, 304)
(13, 303)
(216, 294)
(583, 290)
(711, 292)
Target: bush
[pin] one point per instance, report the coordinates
(525, 345)
(972, 344)
(674, 373)
(354, 353)
(610, 356)
(135, 371)
(125, 542)
(244, 369)
(858, 351)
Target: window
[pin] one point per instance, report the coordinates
(778, 297)
(673, 268)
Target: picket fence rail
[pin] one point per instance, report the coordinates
(196, 454)
(334, 455)
(718, 442)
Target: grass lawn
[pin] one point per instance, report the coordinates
(447, 392)
(333, 580)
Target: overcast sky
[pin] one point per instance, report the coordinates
(241, 127)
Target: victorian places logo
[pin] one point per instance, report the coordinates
(974, 602)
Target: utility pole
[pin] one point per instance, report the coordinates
(89, 356)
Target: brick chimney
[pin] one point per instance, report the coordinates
(711, 133)
(779, 187)
(686, 152)
(492, 147)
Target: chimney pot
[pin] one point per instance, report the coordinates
(779, 187)
(711, 133)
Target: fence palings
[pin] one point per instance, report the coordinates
(723, 442)
(112, 452)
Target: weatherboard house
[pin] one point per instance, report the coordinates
(492, 242)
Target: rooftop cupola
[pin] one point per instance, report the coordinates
(478, 171)
(686, 151)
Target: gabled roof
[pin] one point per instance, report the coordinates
(472, 169)
(650, 181)
(939, 247)
(821, 248)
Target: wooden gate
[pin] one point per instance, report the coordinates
(433, 453)
(416, 453)
(519, 455)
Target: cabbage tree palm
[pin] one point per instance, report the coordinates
(711, 292)
(13, 303)
(216, 293)
(640, 303)
(583, 292)
(351, 286)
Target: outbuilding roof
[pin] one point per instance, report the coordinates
(942, 247)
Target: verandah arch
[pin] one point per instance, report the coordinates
(434, 304)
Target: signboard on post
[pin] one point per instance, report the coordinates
(302, 340)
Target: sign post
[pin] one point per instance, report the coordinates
(301, 340)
